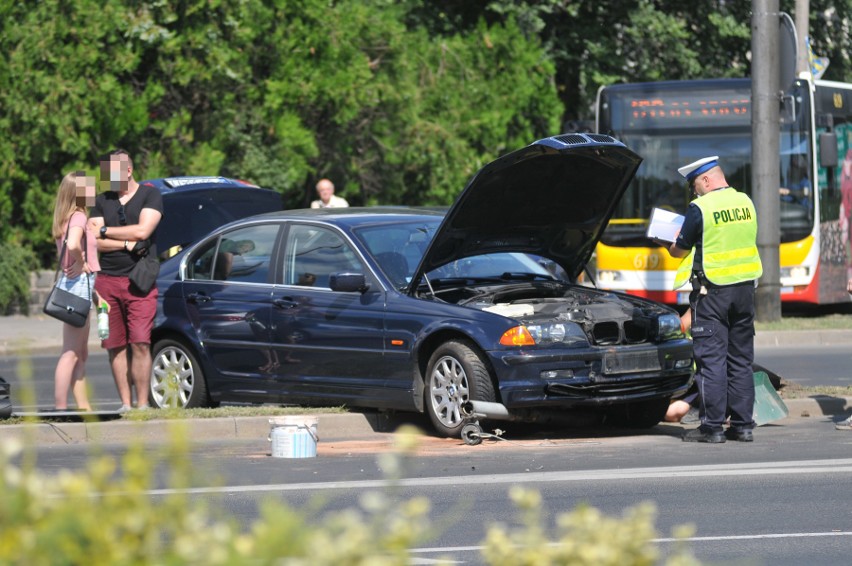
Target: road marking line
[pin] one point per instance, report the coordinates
(437, 550)
(755, 537)
(716, 470)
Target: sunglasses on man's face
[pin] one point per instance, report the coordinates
(122, 218)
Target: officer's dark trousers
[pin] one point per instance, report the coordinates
(723, 340)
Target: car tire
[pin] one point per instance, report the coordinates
(638, 415)
(456, 373)
(176, 377)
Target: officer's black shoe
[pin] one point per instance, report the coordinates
(698, 435)
(744, 435)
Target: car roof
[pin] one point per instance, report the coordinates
(182, 184)
(358, 216)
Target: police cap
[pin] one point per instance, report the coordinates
(696, 168)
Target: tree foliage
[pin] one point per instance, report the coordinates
(279, 93)
(397, 102)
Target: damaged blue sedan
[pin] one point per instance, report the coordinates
(476, 311)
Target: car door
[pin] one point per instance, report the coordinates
(228, 296)
(328, 344)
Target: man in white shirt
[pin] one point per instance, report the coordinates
(325, 190)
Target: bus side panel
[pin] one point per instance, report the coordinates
(835, 188)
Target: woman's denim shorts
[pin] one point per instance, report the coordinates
(78, 286)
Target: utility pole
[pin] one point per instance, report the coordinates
(802, 28)
(765, 175)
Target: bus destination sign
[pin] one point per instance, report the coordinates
(685, 111)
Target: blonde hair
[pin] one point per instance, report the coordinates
(66, 203)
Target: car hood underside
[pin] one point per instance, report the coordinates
(552, 198)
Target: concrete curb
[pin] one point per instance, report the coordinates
(331, 427)
(819, 406)
(346, 426)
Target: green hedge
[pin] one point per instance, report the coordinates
(16, 263)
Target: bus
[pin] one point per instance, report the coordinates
(673, 123)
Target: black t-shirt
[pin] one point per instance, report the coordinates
(120, 262)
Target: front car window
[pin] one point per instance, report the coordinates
(313, 253)
(398, 249)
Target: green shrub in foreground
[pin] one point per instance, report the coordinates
(585, 537)
(97, 517)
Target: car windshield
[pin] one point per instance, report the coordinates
(399, 247)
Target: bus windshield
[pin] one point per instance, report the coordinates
(671, 124)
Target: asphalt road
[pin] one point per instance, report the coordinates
(32, 381)
(825, 364)
(781, 500)
(808, 365)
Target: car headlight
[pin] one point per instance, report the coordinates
(542, 334)
(668, 327)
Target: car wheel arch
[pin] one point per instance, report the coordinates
(423, 353)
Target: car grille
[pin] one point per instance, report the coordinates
(616, 387)
(611, 333)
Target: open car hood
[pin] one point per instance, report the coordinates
(552, 198)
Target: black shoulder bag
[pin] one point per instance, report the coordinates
(64, 305)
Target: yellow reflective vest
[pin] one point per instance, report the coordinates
(729, 240)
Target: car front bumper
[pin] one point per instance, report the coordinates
(592, 376)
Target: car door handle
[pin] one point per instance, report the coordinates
(198, 298)
(285, 303)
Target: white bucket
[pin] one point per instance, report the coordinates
(293, 436)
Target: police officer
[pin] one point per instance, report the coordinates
(718, 241)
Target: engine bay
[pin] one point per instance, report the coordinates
(605, 318)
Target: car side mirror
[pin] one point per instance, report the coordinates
(348, 282)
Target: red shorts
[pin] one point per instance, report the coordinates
(131, 314)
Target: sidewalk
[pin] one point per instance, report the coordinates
(40, 334)
(36, 334)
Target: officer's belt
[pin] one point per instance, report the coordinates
(698, 279)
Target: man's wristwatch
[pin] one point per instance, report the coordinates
(103, 232)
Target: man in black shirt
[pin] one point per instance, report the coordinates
(125, 218)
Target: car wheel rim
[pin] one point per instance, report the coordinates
(449, 391)
(172, 378)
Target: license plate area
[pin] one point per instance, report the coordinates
(615, 363)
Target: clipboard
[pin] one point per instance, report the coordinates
(664, 225)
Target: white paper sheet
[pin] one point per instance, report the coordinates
(664, 225)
